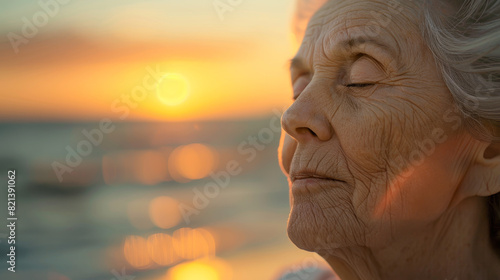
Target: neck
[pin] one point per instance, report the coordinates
(456, 246)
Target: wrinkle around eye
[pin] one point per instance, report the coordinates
(365, 71)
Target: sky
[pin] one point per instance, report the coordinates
(74, 60)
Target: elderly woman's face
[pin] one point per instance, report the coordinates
(371, 149)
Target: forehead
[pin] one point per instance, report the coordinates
(392, 23)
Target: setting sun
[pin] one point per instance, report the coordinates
(173, 89)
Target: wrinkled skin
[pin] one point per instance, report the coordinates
(371, 111)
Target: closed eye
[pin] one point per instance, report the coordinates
(359, 85)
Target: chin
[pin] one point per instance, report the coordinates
(309, 230)
(323, 218)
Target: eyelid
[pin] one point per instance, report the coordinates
(384, 58)
(295, 74)
(365, 70)
(301, 82)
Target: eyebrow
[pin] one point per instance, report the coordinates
(296, 63)
(348, 45)
(355, 42)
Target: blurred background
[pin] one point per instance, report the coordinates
(144, 138)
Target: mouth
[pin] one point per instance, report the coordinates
(311, 176)
(307, 182)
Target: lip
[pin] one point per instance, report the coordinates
(310, 180)
(310, 175)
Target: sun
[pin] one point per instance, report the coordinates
(173, 89)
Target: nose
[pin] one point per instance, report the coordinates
(305, 120)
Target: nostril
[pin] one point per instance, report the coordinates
(305, 130)
(312, 132)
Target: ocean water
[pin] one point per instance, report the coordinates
(77, 228)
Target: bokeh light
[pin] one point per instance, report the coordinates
(203, 269)
(161, 249)
(209, 242)
(194, 270)
(136, 252)
(194, 243)
(191, 162)
(164, 212)
(158, 92)
(173, 89)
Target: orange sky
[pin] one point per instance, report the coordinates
(74, 70)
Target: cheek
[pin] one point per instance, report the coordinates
(424, 189)
(286, 151)
(413, 199)
(399, 182)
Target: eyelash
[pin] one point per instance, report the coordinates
(359, 85)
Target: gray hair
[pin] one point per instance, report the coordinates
(466, 47)
(464, 37)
